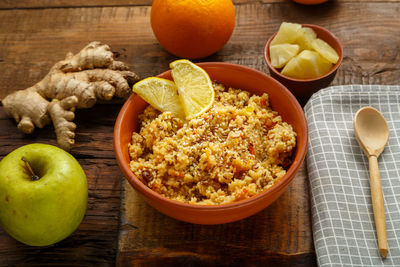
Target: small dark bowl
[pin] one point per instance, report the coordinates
(304, 88)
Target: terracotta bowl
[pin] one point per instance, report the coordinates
(304, 88)
(236, 76)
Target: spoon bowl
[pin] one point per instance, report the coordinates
(371, 130)
(372, 133)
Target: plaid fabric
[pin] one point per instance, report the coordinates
(343, 222)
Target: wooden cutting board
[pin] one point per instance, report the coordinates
(280, 234)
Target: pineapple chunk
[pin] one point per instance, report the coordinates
(281, 53)
(325, 50)
(306, 37)
(300, 53)
(307, 65)
(287, 33)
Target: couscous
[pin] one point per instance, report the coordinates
(235, 150)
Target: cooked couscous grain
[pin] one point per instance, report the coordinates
(237, 149)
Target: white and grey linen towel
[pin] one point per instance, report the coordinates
(343, 222)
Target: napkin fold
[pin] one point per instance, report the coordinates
(343, 222)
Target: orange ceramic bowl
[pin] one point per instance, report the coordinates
(304, 88)
(236, 76)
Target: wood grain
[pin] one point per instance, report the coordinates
(94, 134)
(279, 234)
(42, 4)
(31, 45)
(94, 243)
(36, 34)
(7, 4)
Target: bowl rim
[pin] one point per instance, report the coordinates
(285, 180)
(313, 26)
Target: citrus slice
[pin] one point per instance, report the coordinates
(195, 89)
(325, 50)
(161, 94)
(281, 53)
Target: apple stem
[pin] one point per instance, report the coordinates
(31, 173)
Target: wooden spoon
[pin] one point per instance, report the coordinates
(372, 133)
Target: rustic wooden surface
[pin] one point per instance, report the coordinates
(119, 228)
(280, 234)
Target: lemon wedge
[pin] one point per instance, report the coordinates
(195, 89)
(161, 94)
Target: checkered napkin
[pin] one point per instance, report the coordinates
(343, 221)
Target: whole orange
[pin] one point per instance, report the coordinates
(192, 28)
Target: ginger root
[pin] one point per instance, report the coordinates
(78, 81)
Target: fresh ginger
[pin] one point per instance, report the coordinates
(78, 81)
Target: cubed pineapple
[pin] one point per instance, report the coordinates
(325, 50)
(280, 54)
(306, 37)
(307, 65)
(287, 33)
(300, 53)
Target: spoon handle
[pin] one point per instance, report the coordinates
(378, 205)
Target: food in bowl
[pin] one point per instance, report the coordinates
(297, 52)
(237, 149)
(235, 76)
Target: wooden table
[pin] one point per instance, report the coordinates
(119, 228)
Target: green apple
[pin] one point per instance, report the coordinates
(43, 194)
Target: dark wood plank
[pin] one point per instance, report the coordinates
(242, 257)
(94, 242)
(10, 4)
(141, 244)
(27, 4)
(31, 44)
(94, 133)
(36, 34)
(279, 234)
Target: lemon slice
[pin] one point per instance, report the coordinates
(195, 89)
(161, 94)
(325, 50)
